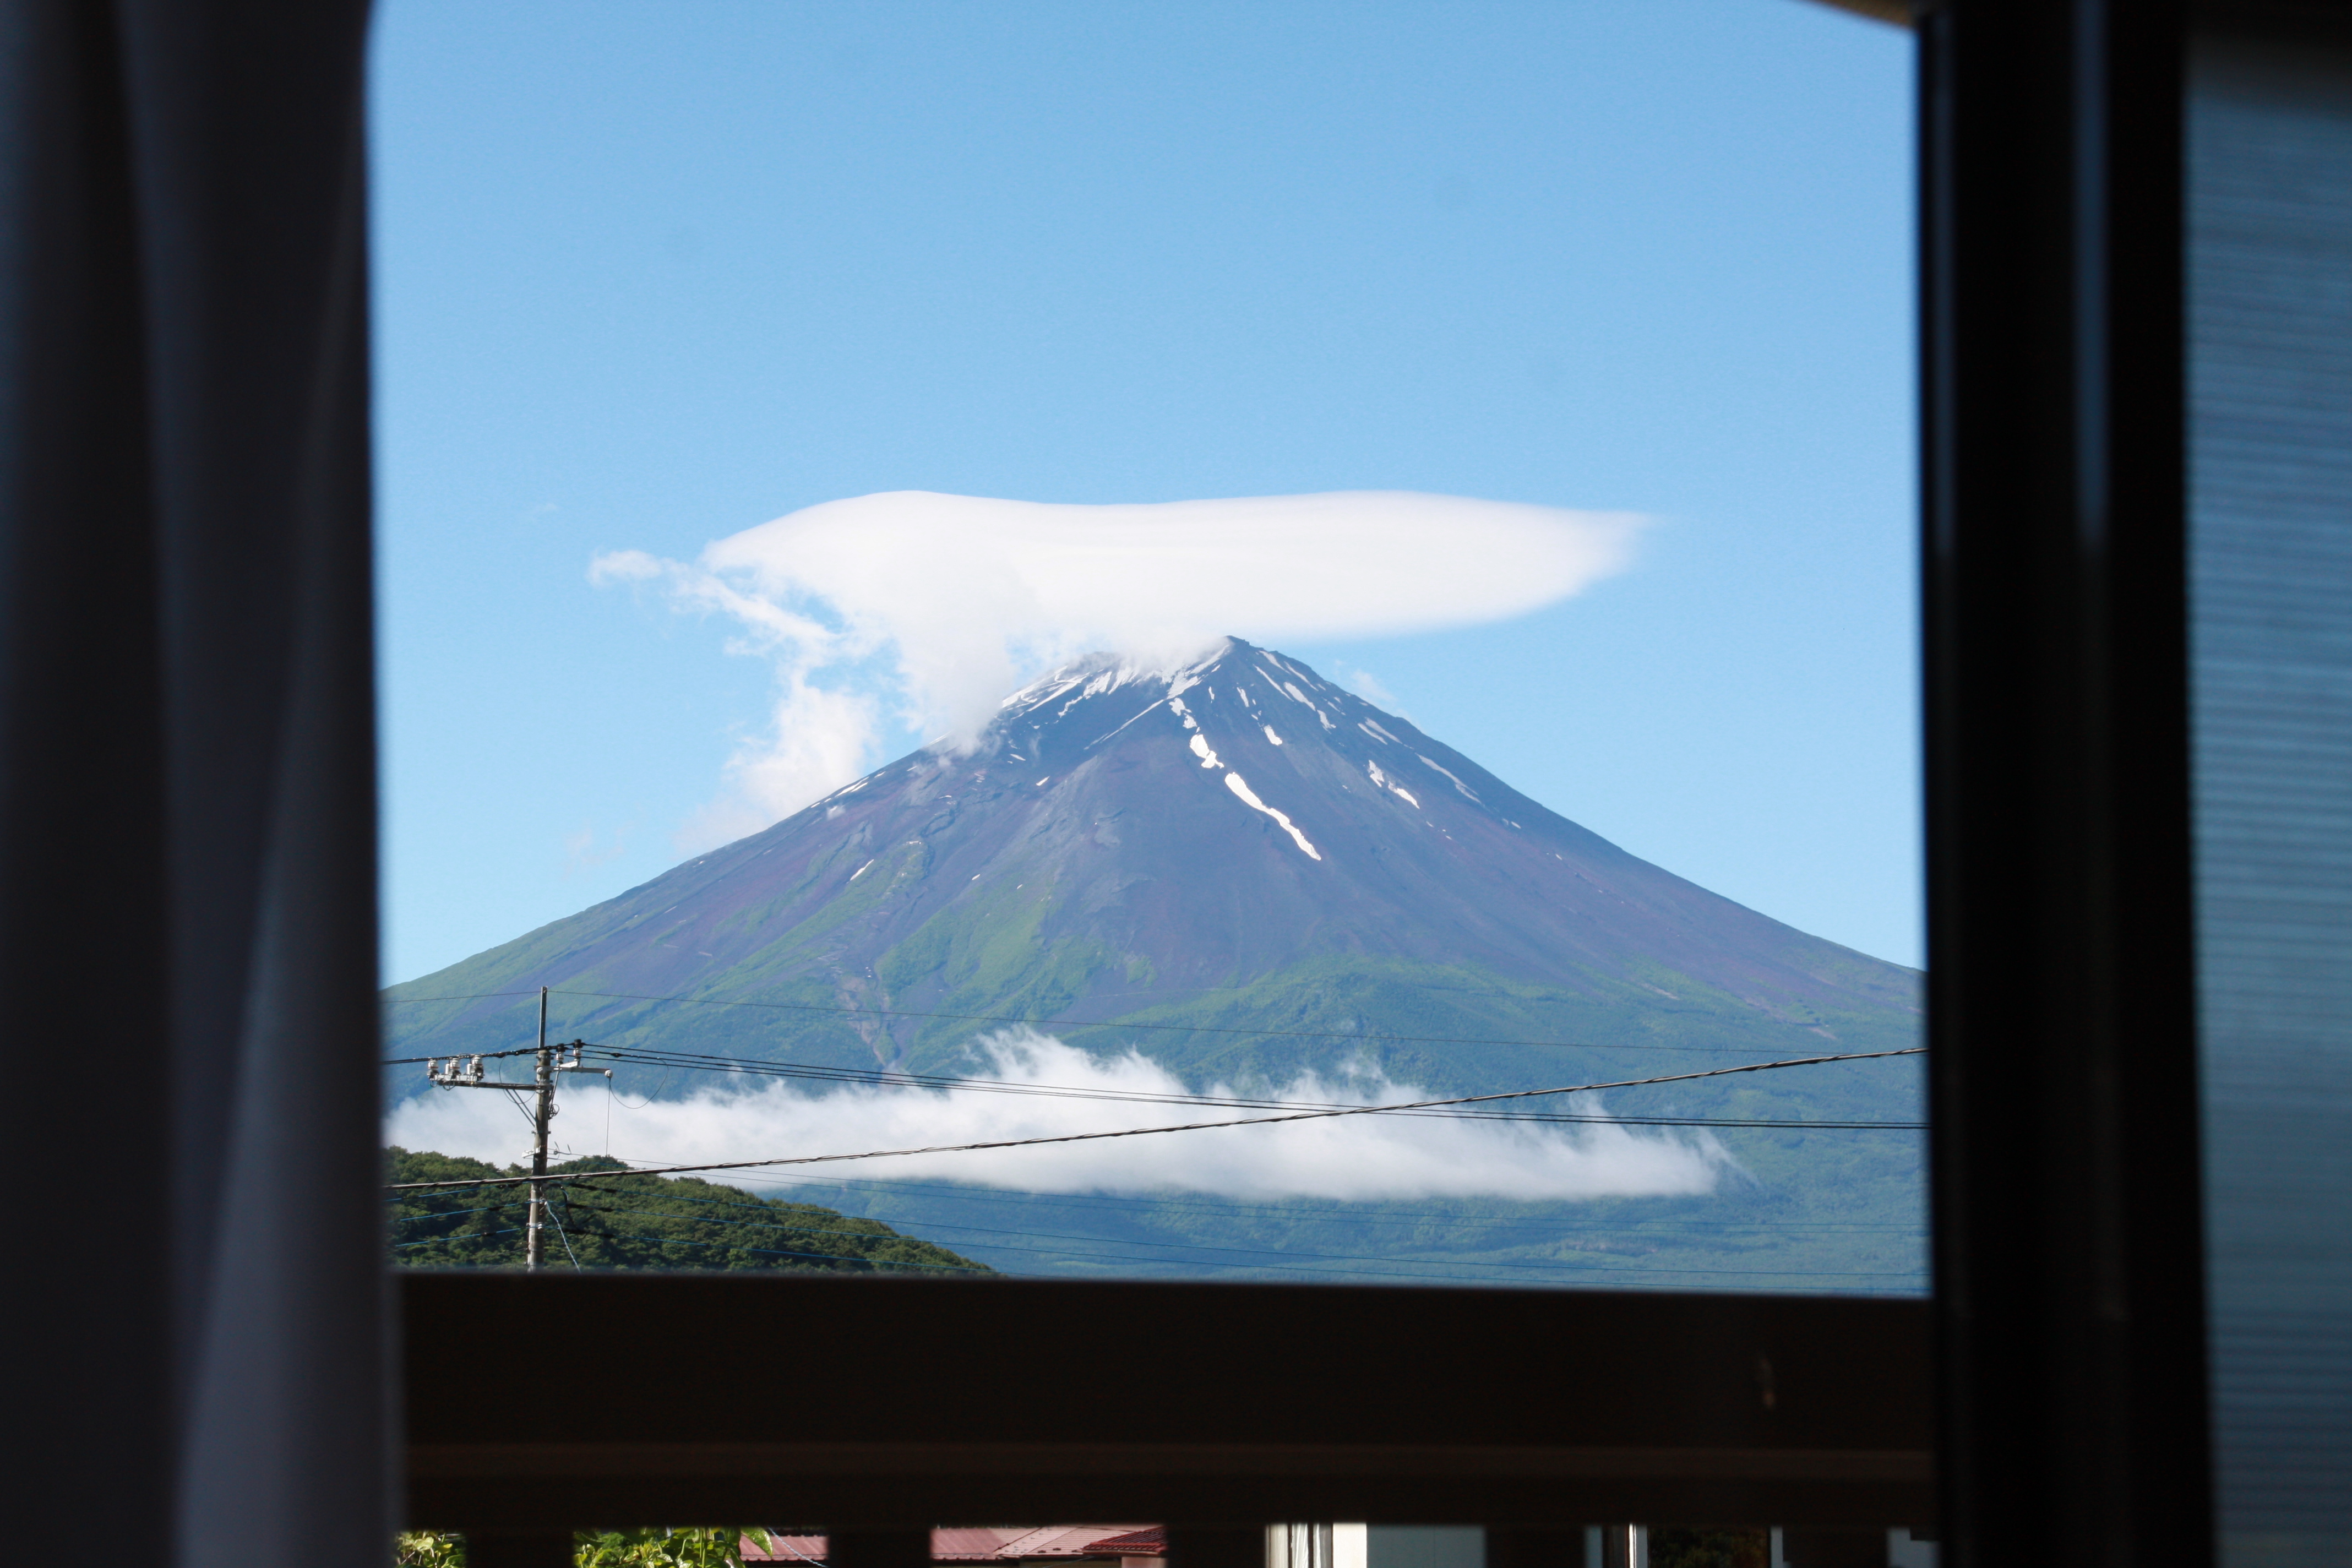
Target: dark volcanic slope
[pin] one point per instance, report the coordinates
(1239, 846)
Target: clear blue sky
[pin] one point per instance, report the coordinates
(650, 273)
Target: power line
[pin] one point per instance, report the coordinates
(1353, 1257)
(1397, 1266)
(893, 1186)
(1159, 1205)
(452, 1213)
(480, 1055)
(1586, 1265)
(772, 1252)
(701, 1061)
(562, 1235)
(1395, 1271)
(1583, 1266)
(460, 1235)
(1238, 1122)
(476, 996)
(751, 1067)
(1028, 1198)
(887, 1234)
(1110, 1023)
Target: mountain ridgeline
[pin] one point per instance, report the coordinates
(1243, 870)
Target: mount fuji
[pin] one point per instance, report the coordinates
(1235, 844)
(1245, 872)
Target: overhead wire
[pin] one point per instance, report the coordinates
(1571, 1266)
(887, 1234)
(561, 1235)
(1157, 1207)
(460, 1235)
(1236, 1122)
(775, 1252)
(1352, 1257)
(1490, 1263)
(1386, 1216)
(452, 1213)
(453, 1056)
(1300, 1258)
(666, 1241)
(475, 996)
(699, 1061)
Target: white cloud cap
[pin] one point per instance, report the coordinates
(966, 598)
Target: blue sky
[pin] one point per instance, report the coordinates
(648, 274)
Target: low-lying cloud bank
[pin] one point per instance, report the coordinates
(1356, 1158)
(921, 609)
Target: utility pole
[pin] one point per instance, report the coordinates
(457, 1072)
(535, 1235)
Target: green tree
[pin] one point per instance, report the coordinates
(1688, 1548)
(428, 1549)
(706, 1546)
(607, 1216)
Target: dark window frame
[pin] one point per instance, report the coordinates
(187, 890)
(2069, 1278)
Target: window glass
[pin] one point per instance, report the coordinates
(979, 578)
(2269, 322)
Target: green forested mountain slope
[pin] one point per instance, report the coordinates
(610, 1217)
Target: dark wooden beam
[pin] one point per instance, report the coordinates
(617, 1400)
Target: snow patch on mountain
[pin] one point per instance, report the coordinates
(1234, 783)
(1098, 740)
(1465, 788)
(1390, 784)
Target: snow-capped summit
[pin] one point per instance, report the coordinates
(1228, 709)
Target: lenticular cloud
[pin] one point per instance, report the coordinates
(930, 607)
(1356, 1158)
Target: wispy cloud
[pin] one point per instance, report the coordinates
(923, 610)
(1357, 1158)
(580, 852)
(1367, 685)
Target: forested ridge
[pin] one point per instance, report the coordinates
(605, 1216)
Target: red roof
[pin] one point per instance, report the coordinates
(987, 1543)
(1151, 1540)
